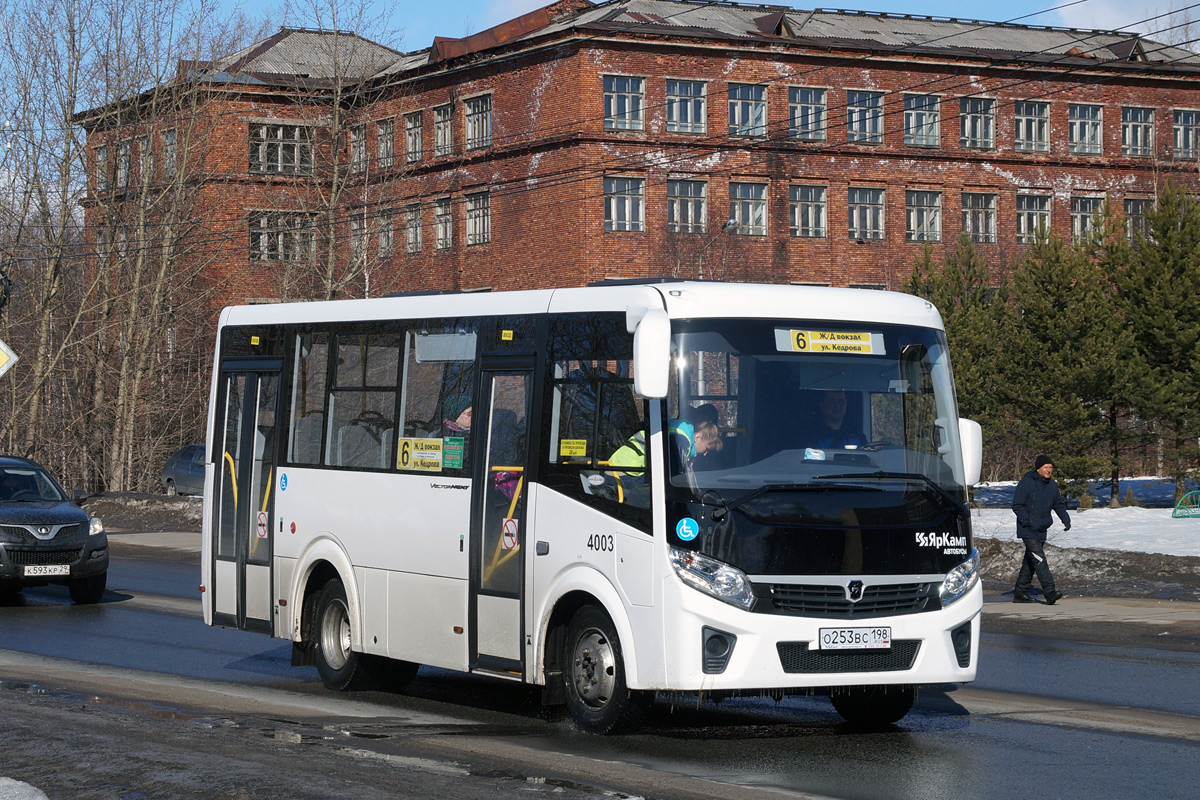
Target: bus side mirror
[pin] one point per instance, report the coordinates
(970, 435)
(652, 354)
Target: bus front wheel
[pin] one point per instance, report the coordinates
(873, 705)
(594, 676)
(340, 667)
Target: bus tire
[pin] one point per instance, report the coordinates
(594, 676)
(873, 706)
(340, 667)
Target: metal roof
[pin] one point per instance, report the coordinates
(312, 54)
(875, 31)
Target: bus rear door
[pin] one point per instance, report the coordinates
(248, 397)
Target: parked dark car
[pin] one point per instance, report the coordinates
(45, 537)
(184, 472)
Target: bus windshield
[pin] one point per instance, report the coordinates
(769, 406)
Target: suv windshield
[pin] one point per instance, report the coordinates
(794, 405)
(28, 484)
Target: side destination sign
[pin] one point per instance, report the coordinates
(847, 342)
(424, 455)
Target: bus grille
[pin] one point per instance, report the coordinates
(43, 558)
(796, 657)
(823, 600)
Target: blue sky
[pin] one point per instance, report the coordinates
(414, 24)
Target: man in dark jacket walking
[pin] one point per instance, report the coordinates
(1036, 496)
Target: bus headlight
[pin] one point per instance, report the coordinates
(960, 579)
(713, 577)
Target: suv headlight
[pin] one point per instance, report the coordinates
(960, 579)
(714, 578)
(95, 526)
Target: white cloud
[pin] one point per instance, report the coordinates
(1126, 16)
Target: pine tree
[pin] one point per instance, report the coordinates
(1064, 346)
(1160, 292)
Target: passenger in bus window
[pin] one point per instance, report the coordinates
(831, 428)
(456, 413)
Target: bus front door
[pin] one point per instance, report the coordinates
(498, 533)
(241, 536)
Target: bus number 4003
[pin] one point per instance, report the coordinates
(602, 542)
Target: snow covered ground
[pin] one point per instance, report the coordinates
(1143, 530)
(1133, 528)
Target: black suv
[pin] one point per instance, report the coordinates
(45, 537)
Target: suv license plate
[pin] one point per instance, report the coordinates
(879, 638)
(54, 569)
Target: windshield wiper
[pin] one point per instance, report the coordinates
(813, 486)
(911, 476)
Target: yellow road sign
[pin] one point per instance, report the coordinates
(7, 358)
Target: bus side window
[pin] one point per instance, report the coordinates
(362, 401)
(438, 386)
(592, 415)
(308, 398)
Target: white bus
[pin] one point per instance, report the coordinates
(528, 485)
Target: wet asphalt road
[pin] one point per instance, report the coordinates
(1022, 745)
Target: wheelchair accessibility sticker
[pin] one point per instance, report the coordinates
(687, 529)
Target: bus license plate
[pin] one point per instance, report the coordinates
(54, 569)
(854, 638)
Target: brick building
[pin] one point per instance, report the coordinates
(647, 138)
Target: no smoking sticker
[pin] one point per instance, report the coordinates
(508, 534)
(263, 522)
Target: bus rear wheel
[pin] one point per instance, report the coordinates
(594, 675)
(873, 706)
(339, 666)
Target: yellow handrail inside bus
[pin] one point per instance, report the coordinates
(232, 477)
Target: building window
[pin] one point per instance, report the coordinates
(479, 218)
(1085, 124)
(1137, 131)
(1033, 217)
(358, 237)
(922, 121)
(102, 168)
(385, 142)
(281, 237)
(686, 107)
(443, 228)
(979, 216)
(1031, 127)
(748, 205)
(747, 110)
(479, 122)
(977, 123)
(1084, 217)
(168, 153)
(145, 159)
(443, 132)
(386, 236)
(623, 102)
(358, 148)
(122, 175)
(865, 213)
(286, 149)
(412, 137)
(864, 117)
(807, 212)
(687, 206)
(412, 228)
(623, 204)
(1186, 130)
(923, 216)
(1135, 217)
(806, 114)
